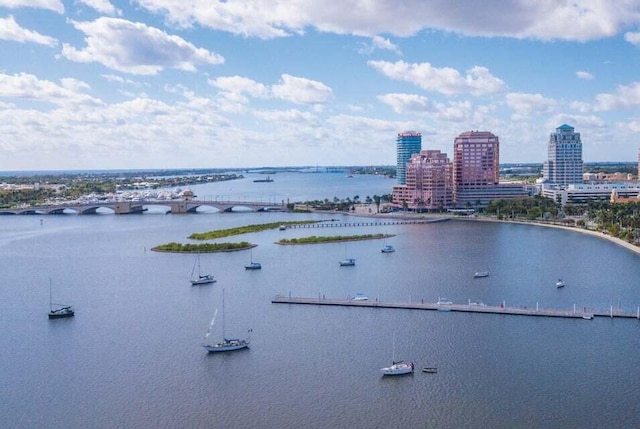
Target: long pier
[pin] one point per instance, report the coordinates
(335, 223)
(464, 308)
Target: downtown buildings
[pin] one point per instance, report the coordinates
(564, 164)
(432, 182)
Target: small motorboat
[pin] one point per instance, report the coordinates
(559, 283)
(430, 369)
(480, 274)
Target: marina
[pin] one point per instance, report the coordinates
(470, 307)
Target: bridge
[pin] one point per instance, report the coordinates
(132, 207)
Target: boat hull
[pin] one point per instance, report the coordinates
(203, 281)
(253, 266)
(226, 346)
(61, 314)
(398, 369)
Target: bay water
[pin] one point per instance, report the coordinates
(132, 355)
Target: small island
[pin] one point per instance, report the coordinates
(331, 239)
(220, 233)
(174, 247)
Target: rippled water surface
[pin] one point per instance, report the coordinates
(132, 358)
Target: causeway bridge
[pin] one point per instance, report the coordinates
(132, 207)
(470, 307)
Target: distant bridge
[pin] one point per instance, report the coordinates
(131, 207)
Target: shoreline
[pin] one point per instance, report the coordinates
(614, 240)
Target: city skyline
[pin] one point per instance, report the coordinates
(159, 84)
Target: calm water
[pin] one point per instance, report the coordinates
(131, 357)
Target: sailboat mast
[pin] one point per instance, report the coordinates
(50, 298)
(223, 337)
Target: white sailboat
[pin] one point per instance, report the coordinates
(347, 262)
(253, 265)
(201, 279)
(226, 344)
(62, 311)
(399, 367)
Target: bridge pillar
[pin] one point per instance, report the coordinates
(125, 207)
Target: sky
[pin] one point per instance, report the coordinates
(141, 84)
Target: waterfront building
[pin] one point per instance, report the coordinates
(407, 144)
(429, 182)
(564, 164)
(581, 193)
(476, 157)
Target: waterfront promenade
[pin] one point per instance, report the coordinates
(470, 307)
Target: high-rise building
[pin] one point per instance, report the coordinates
(429, 182)
(407, 143)
(564, 164)
(475, 166)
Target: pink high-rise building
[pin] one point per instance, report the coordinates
(429, 184)
(475, 165)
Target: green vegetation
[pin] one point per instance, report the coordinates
(345, 204)
(332, 239)
(203, 248)
(211, 235)
(530, 208)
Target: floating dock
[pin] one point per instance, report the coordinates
(470, 307)
(335, 223)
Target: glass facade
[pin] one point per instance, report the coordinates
(407, 144)
(564, 164)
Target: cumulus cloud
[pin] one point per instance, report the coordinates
(54, 5)
(240, 85)
(584, 75)
(543, 19)
(300, 90)
(633, 38)
(102, 6)
(11, 30)
(446, 80)
(624, 97)
(133, 47)
(401, 103)
(527, 104)
(28, 86)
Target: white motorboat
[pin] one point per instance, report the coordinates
(388, 249)
(559, 283)
(480, 274)
(348, 262)
(360, 297)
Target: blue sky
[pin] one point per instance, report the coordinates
(99, 84)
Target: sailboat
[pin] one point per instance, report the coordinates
(399, 367)
(62, 311)
(253, 265)
(201, 279)
(227, 344)
(347, 262)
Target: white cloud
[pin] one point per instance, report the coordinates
(624, 97)
(580, 20)
(378, 42)
(526, 105)
(584, 75)
(54, 5)
(300, 90)
(29, 87)
(136, 48)
(446, 80)
(11, 30)
(102, 6)
(633, 38)
(461, 112)
(239, 85)
(291, 117)
(401, 103)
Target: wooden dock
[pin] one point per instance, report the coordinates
(572, 313)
